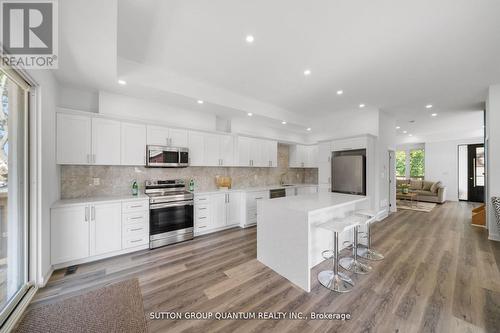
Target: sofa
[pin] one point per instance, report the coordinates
(427, 191)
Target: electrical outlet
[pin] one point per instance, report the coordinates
(97, 181)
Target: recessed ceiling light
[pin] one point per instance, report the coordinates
(307, 72)
(398, 127)
(283, 122)
(249, 114)
(340, 92)
(249, 39)
(308, 129)
(122, 82)
(428, 106)
(200, 101)
(361, 105)
(410, 134)
(404, 132)
(434, 114)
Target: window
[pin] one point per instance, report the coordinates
(401, 164)
(417, 163)
(13, 193)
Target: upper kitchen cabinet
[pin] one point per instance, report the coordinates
(211, 146)
(133, 144)
(208, 149)
(226, 150)
(164, 136)
(106, 138)
(302, 156)
(254, 152)
(196, 148)
(324, 152)
(73, 139)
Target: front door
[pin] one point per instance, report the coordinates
(476, 173)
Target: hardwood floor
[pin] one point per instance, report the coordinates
(440, 274)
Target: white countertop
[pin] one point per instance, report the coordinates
(252, 189)
(79, 201)
(315, 202)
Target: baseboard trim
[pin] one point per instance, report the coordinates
(46, 277)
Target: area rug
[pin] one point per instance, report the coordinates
(416, 206)
(114, 308)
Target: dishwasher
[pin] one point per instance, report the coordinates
(277, 193)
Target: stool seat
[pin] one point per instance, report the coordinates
(340, 225)
(367, 252)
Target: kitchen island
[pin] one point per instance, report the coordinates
(288, 239)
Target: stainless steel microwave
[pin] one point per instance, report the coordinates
(166, 157)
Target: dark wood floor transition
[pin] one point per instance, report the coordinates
(440, 275)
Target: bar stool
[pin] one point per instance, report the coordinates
(352, 264)
(367, 252)
(335, 280)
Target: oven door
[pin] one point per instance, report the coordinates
(159, 156)
(170, 217)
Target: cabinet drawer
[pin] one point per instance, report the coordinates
(252, 213)
(135, 230)
(133, 218)
(202, 211)
(135, 206)
(135, 241)
(202, 199)
(201, 221)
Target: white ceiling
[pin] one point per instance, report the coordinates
(393, 55)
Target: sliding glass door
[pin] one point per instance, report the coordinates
(13, 193)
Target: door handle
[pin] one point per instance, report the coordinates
(92, 213)
(474, 170)
(86, 214)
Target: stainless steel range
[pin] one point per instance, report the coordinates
(170, 212)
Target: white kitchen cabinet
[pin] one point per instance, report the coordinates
(226, 150)
(196, 148)
(233, 208)
(106, 136)
(164, 136)
(243, 151)
(212, 157)
(250, 207)
(218, 210)
(302, 190)
(324, 152)
(105, 228)
(73, 139)
(302, 156)
(133, 144)
(324, 173)
(270, 153)
(69, 233)
(178, 137)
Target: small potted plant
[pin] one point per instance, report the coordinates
(405, 188)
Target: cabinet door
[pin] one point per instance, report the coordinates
(69, 233)
(324, 172)
(106, 228)
(196, 148)
(311, 156)
(158, 136)
(212, 157)
(226, 150)
(257, 153)
(106, 136)
(234, 206)
(178, 137)
(133, 144)
(295, 156)
(244, 151)
(272, 153)
(218, 210)
(73, 139)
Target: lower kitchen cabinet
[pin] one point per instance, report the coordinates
(217, 211)
(69, 233)
(96, 230)
(105, 228)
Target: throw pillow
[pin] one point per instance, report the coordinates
(435, 187)
(415, 184)
(427, 186)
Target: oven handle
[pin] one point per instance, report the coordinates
(172, 204)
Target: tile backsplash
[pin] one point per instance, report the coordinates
(84, 181)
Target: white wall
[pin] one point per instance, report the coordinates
(50, 173)
(441, 163)
(493, 156)
(78, 99)
(386, 141)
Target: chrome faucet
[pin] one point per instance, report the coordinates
(282, 182)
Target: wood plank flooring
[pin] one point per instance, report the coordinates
(440, 274)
